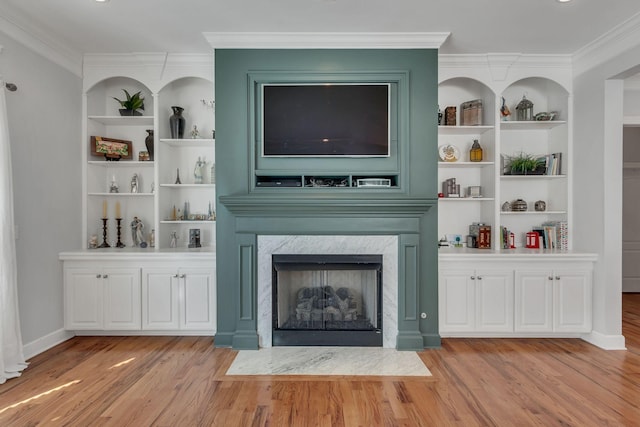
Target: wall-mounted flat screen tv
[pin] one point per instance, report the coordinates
(326, 120)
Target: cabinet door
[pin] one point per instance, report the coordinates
(160, 299)
(533, 301)
(83, 299)
(121, 289)
(494, 300)
(198, 299)
(456, 296)
(572, 301)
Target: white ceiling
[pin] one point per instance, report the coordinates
(176, 26)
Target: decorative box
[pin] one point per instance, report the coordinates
(450, 116)
(471, 113)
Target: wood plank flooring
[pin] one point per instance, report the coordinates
(180, 381)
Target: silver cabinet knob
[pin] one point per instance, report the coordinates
(98, 276)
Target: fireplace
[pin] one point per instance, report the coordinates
(327, 299)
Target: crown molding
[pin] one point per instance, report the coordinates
(310, 40)
(44, 46)
(611, 44)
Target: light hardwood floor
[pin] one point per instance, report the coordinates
(170, 381)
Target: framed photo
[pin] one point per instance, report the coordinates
(455, 240)
(110, 148)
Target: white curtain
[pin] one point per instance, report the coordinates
(11, 355)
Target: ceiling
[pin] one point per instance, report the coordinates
(176, 26)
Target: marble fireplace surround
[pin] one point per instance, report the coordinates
(387, 246)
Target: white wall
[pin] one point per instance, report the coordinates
(45, 127)
(598, 102)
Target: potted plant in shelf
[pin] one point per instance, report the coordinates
(132, 104)
(525, 164)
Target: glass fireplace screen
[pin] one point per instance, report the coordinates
(327, 292)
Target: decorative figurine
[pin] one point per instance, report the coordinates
(173, 242)
(178, 176)
(137, 232)
(134, 183)
(113, 187)
(197, 171)
(194, 132)
(93, 241)
(504, 110)
(152, 238)
(194, 238)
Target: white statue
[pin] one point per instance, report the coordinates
(134, 183)
(197, 171)
(174, 239)
(137, 232)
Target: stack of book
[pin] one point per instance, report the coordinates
(554, 235)
(552, 163)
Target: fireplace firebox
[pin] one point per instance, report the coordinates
(327, 300)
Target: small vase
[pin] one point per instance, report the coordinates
(176, 123)
(148, 141)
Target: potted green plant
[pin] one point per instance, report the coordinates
(131, 105)
(525, 164)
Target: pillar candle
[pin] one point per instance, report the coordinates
(118, 210)
(104, 209)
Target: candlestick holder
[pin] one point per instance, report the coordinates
(119, 243)
(104, 234)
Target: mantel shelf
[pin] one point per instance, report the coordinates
(123, 120)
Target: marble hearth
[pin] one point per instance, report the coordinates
(387, 246)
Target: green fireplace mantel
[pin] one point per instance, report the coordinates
(276, 204)
(409, 210)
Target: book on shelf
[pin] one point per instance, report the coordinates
(553, 235)
(507, 238)
(552, 163)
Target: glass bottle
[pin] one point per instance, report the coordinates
(475, 154)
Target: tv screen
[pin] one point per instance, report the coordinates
(319, 120)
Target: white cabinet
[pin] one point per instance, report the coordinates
(178, 298)
(102, 298)
(572, 300)
(140, 293)
(476, 300)
(553, 300)
(456, 300)
(494, 300)
(534, 301)
(515, 295)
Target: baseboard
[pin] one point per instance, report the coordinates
(45, 343)
(607, 342)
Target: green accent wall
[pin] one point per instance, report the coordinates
(408, 209)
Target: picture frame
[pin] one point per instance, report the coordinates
(111, 148)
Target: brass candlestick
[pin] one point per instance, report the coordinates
(119, 244)
(104, 234)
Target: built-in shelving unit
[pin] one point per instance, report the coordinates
(157, 192)
(501, 138)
